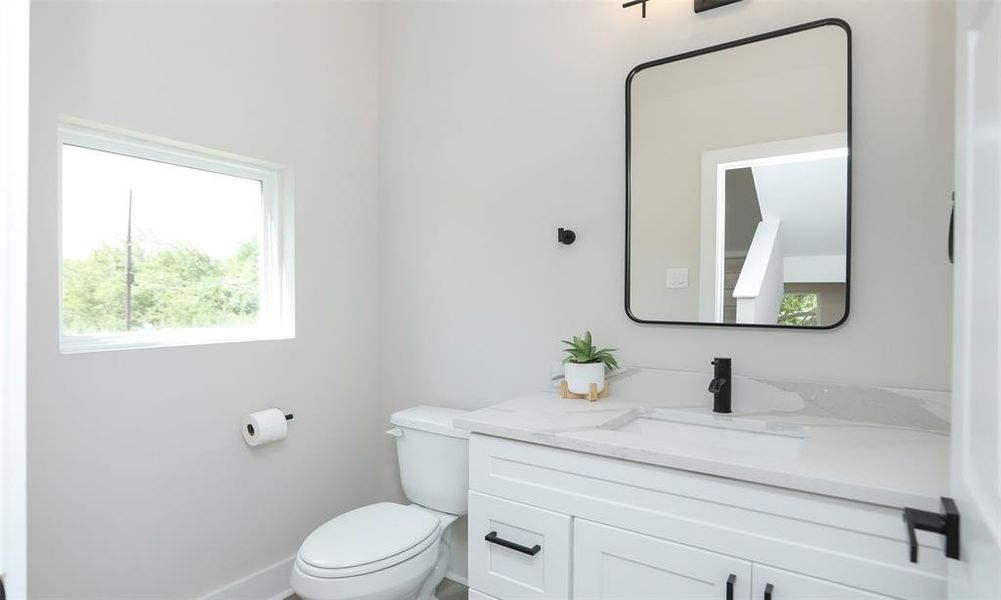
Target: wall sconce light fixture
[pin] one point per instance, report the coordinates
(700, 5)
(704, 5)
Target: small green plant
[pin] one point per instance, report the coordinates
(582, 352)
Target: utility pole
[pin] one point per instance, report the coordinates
(129, 275)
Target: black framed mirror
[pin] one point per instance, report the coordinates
(738, 182)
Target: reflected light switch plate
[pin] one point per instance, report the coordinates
(677, 278)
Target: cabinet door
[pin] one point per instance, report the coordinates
(793, 586)
(527, 554)
(618, 564)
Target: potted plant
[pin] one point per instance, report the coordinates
(585, 364)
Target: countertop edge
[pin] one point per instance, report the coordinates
(802, 483)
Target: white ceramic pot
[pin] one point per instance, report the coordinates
(580, 377)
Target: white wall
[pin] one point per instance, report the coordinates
(502, 121)
(140, 484)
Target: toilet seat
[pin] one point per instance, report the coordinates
(368, 539)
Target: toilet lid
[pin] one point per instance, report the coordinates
(370, 534)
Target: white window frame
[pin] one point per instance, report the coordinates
(276, 254)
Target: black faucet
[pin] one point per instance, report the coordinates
(720, 385)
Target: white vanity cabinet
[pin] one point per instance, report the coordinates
(614, 563)
(616, 529)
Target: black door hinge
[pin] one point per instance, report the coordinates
(946, 524)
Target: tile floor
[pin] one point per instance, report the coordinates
(452, 590)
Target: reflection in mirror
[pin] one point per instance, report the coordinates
(738, 183)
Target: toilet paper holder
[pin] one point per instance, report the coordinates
(250, 427)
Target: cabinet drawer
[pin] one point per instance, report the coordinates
(510, 566)
(615, 564)
(793, 586)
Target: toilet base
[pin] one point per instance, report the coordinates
(399, 582)
(434, 579)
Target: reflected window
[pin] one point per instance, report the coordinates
(799, 309)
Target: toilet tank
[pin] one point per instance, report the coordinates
(433, 456)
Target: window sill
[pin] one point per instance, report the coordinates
(70, 344)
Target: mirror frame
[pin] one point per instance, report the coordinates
(848, 197)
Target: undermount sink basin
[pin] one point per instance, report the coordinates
(738, 435)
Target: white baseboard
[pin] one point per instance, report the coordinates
(270, 583)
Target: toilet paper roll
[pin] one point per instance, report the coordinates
(264, 426)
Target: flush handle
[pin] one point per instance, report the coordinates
(946, 523)
(493, 538)
(396, 432)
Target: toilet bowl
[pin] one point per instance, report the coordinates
(390, 551)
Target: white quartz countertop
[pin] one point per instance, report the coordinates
(878, 445)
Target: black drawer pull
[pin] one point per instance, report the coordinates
(768, 591)
(729, 586)
(493, 539)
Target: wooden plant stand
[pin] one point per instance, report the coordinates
(592, 395)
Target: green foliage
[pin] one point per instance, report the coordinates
(174, 287)
(94, 292)
(798, 309)
(581, 351)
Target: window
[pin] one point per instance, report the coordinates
(164, 244)
(799, 309)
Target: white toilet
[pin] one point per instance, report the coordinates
(389, 551)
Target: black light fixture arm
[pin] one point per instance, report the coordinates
(634, 3)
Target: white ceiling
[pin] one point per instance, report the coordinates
(810, 199)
